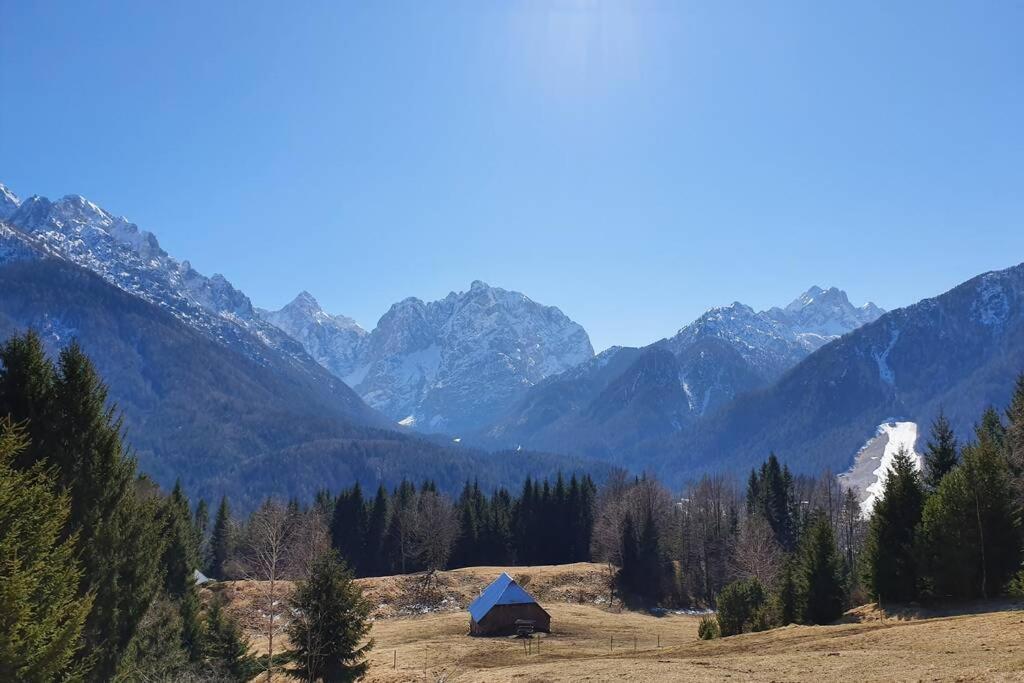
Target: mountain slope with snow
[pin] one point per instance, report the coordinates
(78, 231)
(959, 352)
(726, 352)
(334, 341)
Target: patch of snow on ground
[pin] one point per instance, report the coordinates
(900, 435)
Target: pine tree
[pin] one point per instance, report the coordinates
(155, 652)
(941, 452)
(42, 613)
(348, 527)
(890, 563)
(1015, 439)
(192, 633)
(222, 542)
(820, 573)
(376, 529)
(970, 536)
(651, 580)
(629, 576)
(331, 624)
(991, 428)
(105, 511)
(522, 524)
(770, 494)
(180, 556)
(786, 597)
(179, 562)
(27, 379)
(226, 647)
(467, 544)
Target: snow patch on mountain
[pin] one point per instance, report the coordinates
(873, 462)
(885, 372)
(992, 307)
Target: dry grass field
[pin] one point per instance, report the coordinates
(590, 642)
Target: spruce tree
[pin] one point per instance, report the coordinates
(1015, 439)
(467, 543)
(820, 573)
(226, 648)
(770, 494)
(992, 429)
(105, 511)
(180, 557)
(786, 597)
(41, 611)
(27, 380)
(331, 624)
(940, 453)
(630, 572)
(222, 542)
(179, 562)
(348, 527)
(651, 579)
(890, 563)
(376, 529)
(970, 536)
(155, 652)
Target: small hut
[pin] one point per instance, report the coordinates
(505, 609)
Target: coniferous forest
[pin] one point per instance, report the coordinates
(98, 565)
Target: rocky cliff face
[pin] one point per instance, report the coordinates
(447, 365)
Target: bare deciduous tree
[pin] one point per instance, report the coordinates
(756, 553)
(433, 530)
(310, 537)
(265, 558)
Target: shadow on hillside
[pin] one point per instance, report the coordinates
(915, 611)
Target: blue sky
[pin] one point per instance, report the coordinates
(633, 163)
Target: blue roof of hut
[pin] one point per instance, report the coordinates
(503, 591)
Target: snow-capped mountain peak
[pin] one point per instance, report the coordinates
(334, 341)
(9, 202)
(446, 364)
(734, 348)
(118, 251)
(824, 313)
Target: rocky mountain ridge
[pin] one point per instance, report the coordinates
(447, 365)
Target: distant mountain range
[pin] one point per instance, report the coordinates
(210, 391)
(628, 395)
(232, 397)
(442, 366)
